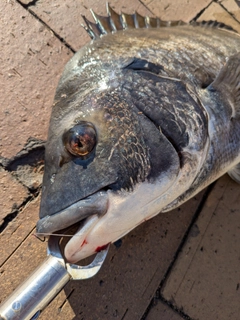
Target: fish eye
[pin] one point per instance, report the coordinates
(81, 139)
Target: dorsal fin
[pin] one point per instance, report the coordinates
(212, 24)
(114, 22)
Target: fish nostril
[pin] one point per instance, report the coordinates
(64, 158)
(61, 161)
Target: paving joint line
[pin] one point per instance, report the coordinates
(201, 12)
(27, 7)
(19, 245)
(175, 309)
(11, 216)
(33, 193)
(31, 3)
(178, 251)
(65, 301)
(225, 9)
(146, 6)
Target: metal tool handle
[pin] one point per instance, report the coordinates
(32, 296)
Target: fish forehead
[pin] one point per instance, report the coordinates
(98, 65)
(179, 43)
(181, 51)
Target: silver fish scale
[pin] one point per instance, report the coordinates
(224, 147)
(218, 161)
(180, 50)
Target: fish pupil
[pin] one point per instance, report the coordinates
(79, 144)
(80, 140)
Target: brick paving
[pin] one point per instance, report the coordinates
(147, 277)
(205, 278)
(30, 63)
(12, 194)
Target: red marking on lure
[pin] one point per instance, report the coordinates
(98, 249)
(84, 242)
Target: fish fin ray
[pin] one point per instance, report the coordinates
(129, 20)
(92, 28)
(234, 173)
(227, 83)
(104, 23)
(212, 24)
(115, 18)
(140, 21)
(114, 22)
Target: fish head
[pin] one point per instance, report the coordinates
(106, 165)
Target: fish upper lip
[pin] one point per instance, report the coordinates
(96, 203)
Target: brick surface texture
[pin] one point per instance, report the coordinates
(37, 39)
(12, 194)
(31, 62)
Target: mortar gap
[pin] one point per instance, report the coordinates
(230, 13)
(11, 216)
(19, 245)
(30, 3)
(146, 6)
(201, 12)
(27, 7)
(179, 249)
(64, 302)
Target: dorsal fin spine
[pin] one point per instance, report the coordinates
(115, 18)
(91, 28)
(100, 22)
(212, 24)
(140, 20)
(114, 22)
(128, 20)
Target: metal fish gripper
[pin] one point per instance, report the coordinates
(37, 291)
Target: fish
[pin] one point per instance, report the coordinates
(145, 116)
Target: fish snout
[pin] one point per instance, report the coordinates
(94, 205)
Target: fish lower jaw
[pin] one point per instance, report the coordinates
(125, 212)
(79, 240)
(92, 237)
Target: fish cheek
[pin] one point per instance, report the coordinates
(163, 156)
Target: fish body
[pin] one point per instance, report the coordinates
(143, 119)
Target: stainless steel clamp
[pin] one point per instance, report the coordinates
(35, 293)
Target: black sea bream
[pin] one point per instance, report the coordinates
(145, 116)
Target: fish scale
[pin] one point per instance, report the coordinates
(223, 150)
(158, 109)
(150, 110)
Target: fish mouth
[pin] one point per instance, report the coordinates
(95, 205)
